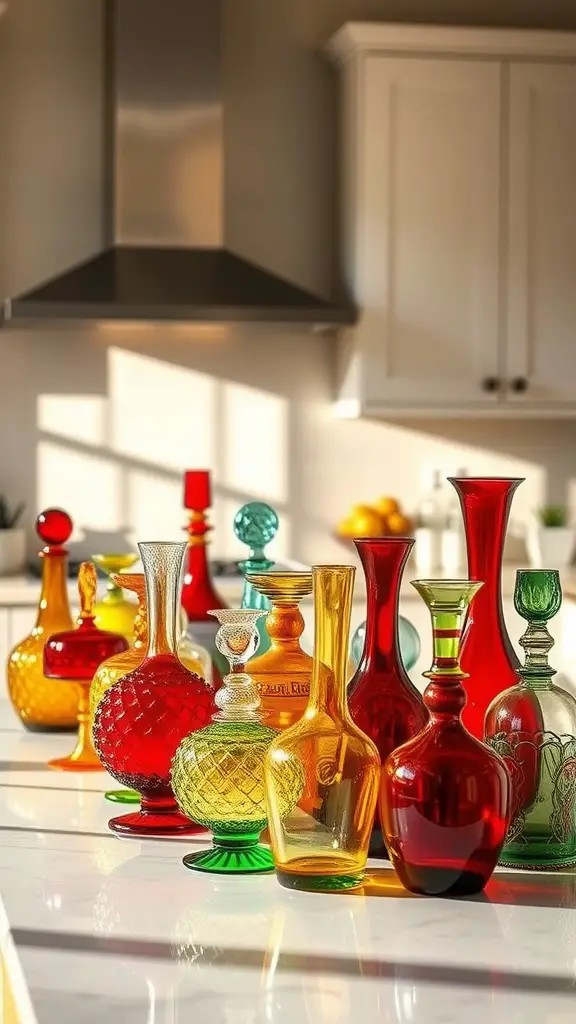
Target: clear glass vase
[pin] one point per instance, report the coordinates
(322, 844)
(144, 716)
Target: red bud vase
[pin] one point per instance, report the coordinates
(444, 797)
(488, 657)
(143, 717)
(383, 702)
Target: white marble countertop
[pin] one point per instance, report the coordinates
(96, 928)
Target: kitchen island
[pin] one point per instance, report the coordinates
(95, 928)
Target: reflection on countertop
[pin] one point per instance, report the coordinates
(97, 928)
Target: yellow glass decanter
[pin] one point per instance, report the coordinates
(115, 612)
(218, 771)
(323, 843)
(42, 703)
(284, 671)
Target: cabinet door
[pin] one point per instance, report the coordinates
(541, 333)
(429, 223)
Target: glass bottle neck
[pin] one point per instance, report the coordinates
(285, 625)
(332, 611)
(537, 644)
(54, 609)
(446, 635)
(162, 566)
(383, 572)
(198, 594)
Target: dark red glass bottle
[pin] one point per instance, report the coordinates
(444, 798)
(143, 717)
(383, 702)
(198, 594)
(487, 658)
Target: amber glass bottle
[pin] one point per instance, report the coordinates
(42, 703)
(323, 843)
(284, 671)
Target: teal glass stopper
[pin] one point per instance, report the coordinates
(256, 524)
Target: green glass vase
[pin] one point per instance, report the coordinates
(256, 525)
(218, 771)
(533, 727)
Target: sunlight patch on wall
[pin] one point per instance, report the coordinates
(87, 486)
(154, 508)
(80, 418)
(254, 442)
(161, 413)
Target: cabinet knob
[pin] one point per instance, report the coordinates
(519, 385)
(491, 384)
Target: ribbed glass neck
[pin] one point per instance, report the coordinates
(54, 609)
(333, 587)
(162, 563)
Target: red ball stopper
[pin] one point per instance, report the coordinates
(197, 495)
(54, 526)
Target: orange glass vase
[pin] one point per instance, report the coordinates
(41, 703)
(284, 671)
(74, 656)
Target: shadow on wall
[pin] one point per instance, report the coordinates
(104, 419)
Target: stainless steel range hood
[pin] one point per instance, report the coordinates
(163, 188)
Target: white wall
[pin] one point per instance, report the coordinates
(103, 420)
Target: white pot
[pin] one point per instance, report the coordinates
(12, 551)
(551, 547)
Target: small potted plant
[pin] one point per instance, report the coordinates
(12, 539)
(551, 543)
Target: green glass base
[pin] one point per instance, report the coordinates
(318, 883)
(122, 796)
(232, 856)
(534, 864)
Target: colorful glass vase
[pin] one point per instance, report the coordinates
(487, 658)
(74, 656)
(444, 797)
(198, 594)
(533, 727)
(115, 612)
(408, 643)
(284, 671)
(143, 717)
(256, 525)
(323, 843)
(383, 702)
(41, 703)
(218, 772)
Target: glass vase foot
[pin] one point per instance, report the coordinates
(231, 860)
(143, 823)
(122, 796)
(440, 880)
(318, 883)
(74, 764)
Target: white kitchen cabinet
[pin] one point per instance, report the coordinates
(541, 328)
(459, 160)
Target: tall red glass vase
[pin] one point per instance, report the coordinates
(487, 657)
(383, 702)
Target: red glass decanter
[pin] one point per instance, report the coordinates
(383, 702)
(143, 717)
(198, 594)
(74, 656)
(488, 658)
(444, 798)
